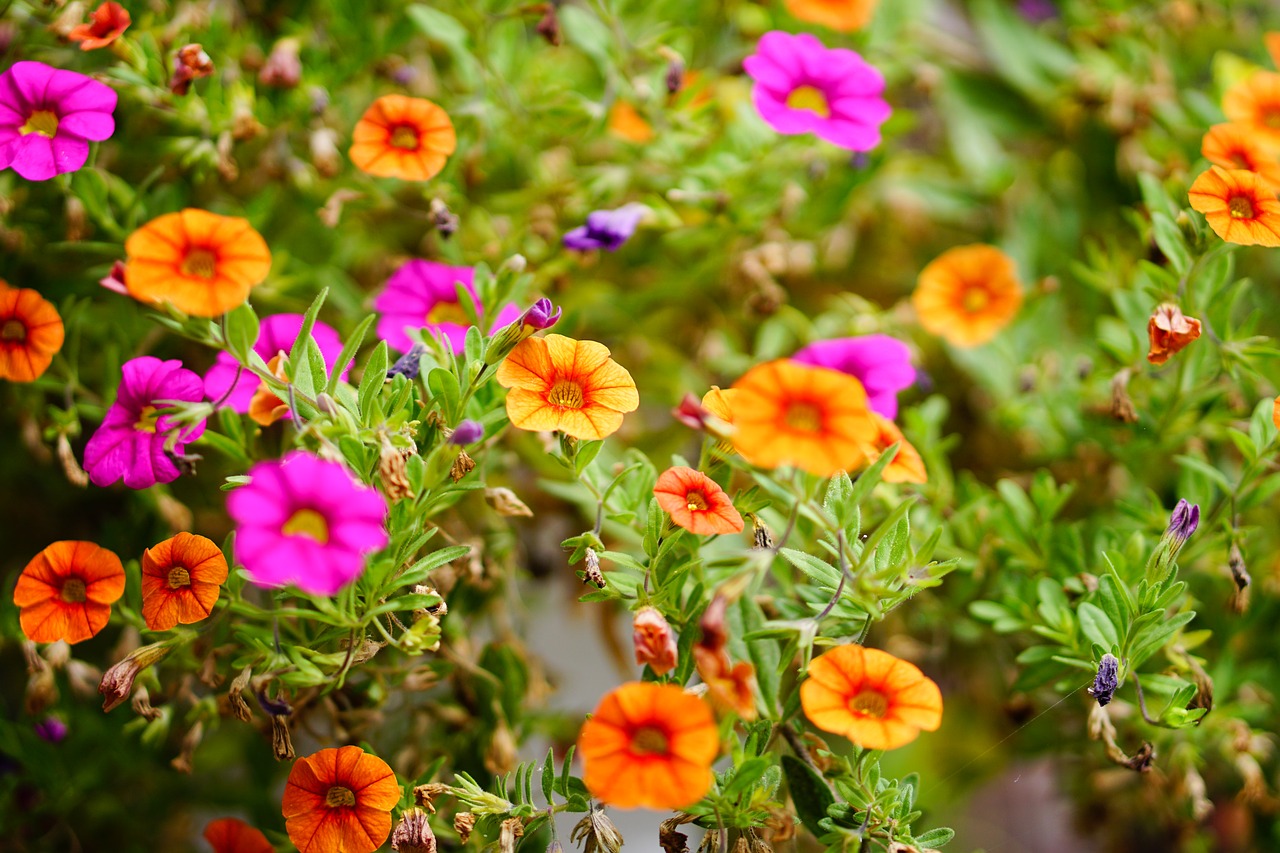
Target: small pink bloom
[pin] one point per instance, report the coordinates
(654, 640)
(423, 295)
(48, 118)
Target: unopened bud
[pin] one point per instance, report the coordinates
(117, 682)
(283, 68)
(189, 63)
(505, 502)
(1106, 681)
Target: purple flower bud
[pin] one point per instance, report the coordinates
(606, 229)
(1107, 680)
(274, 707)
(408, 364)
(467, 432)
(1037, 10)
(543, 315)
(51, 729)
(1183, 522)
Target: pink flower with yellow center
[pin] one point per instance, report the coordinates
(48, 117)
(424, 295)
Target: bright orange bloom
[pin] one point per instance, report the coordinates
(339, 801)
(870, 697)
(785, 413)
(1275, 412)
(403, 137)
(66, 592)
(967, 294)
(1240, 206)
(110, 20)
(558, 383)
(30, 334)
(1238, 146)
(907, 466)
(181, 579)
(1272, 41)
(841, 15)
(729, 685)
(202, 263)
(627, 123)
(649, 745)
(265, 408)
(696, 502)
(1255, 101)
(1169, 331)
(720, 403)
(232, 835)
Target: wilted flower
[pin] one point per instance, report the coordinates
(591, 571)
(117, 682)
(655, 642)
(413, 834)
(445, 221)
(463, 823)
(606, 229)
(1170, 332)
(48, 117)
(505, 502)
(1107, 679)
(462, 466)
(189, 63)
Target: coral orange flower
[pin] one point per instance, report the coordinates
(1255, 101)
(907, 466)
(1169, 331)
(403, 137)
(110, 20)
(967, 294)
(1275, 412)
(202, 263)
(339, 801)
(1240, 206)
(30, 334)
(696, 502)
(729, 685)
(558, 383)
(870, 697)
(67, 590)
(786, 413)
(1238, 146)
(649, 745)
(181, 579)
(654, 641)
(625, 122)
(232, 835)
(841, 15)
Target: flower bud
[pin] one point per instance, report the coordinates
(409, 364)
(467, 432)
(1107, 680)
(117, 682)
(325, 155)
(1182, 523)
(189, 63)
(462, 466)
(655, 642)
(51, 729)
(592, 573)
(505, 502)
(445, 221)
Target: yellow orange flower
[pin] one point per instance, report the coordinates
(1275, 412)
(232, 835)
(967, 294)
(1240, 206)
(719, 402)
(181, 579)
(785, 413)
(625, 122)
(649, 745)
(872, 698)
(1255, 101)
(66, 592)
(1272, 41)
(558, 383)
(729, 685)
(31, 333)
(403, 137)
(265, 408)
(696, 502)
(1238, 146)
(203, 263)
(841, 15)
(339, 801)
(1169, 331)
(907, 466)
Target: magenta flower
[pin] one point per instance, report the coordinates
(305, 521)
(276, 333)
(48, 118)
(130, 443)
(804, 87)
(881, 363)
(423, 295)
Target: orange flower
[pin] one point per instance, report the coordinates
(403, 137)
(729, 685)
(841, 15)
(265, 408)
(907, 466)
(1240, 206)
(67, 590)
(1272, 41)
(628, 124)
(870, 697)
(1238, 146)
(786, 413)
(720, 403)
(1275, 412)
(231, 835)
(339, 801)
(1255, 101)
(967, 294)
(572, 386)
(202, 263)
(30, 333)
(696, 502)
(110, 20)
(649, 745)
(1169, 332)
(181, 579)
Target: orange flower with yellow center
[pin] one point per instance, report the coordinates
(202, 263)
(907, 466)
(181, 579)
(403, 137)
(1238, 146)
(967, 294)
(1241, 207)
(696, 502)
(66, 592)
(558, 383)
(872, 698)
(31, 333)
(840, 15)
(1255, 101)
(339, 801)
(232, 835)
(649, 745)
(786, 413)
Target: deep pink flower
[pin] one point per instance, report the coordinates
(276, 333)
(48, 118)
(804, 87)
(130, 443)
(423, 295)
(305, 521)
(881, 363)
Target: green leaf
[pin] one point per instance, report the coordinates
(549, 775)
(375, 374)
(935, 838)
(820, 571)
(242, 331)
(1097, 627)
(809, 791)
(349, 350)
(1170, 241)
(299, 350)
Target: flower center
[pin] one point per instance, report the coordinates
(43, 122)
(448, 312)
(1241, 207)
(696, 501)
(339, 797)
(404, 137)
(870, 703)
(200, 263)
(649, 741)
(13, 330)
(1241, 160)
(73, 591)
(809, 98)
(147, 418)
(566, 394)
(975, 299)
(805, 417)
(307, 522)
(179, 577)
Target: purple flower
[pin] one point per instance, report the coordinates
(467, 432)
(803, 87)
(48, 118)
(1037, 11)
(606, 229)
(541, 315)
(1107, 680)
(423, 295)
(1183, 522)
(881, 363)
(305, 521)
(408, 365)
(51, 729)
(131, 441)
(275, 334)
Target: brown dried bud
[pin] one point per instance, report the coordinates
(505, 502)
(761, 538)
(1121, 406)
(1239, 574)
(393, 472)
(501, 756)
(184, 762)
(464, 465)
(669, 839)
(512, 828)
(597, 833)
(445, 220)
(42, 691)
(331, 213)
(438, 610)
(117, 682)
(463, 823)
(425, 795)
(281, 743)
(70, 466)
(592, 573)
(141, 704)
(235, 697)
(283, 68)
(189, 63)
(549, 26)
(325, 155)
(413, 834)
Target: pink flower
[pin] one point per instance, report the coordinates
(804, 87)
(130, 443)
(305, 521)
(277, 332)
(881, 363)
(48, 118)
(655, 642)
(423, 295)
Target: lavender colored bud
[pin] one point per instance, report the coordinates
(542, 315)
(1107, 680)
(467, 432)
(1183, 522)
(408, 364)
(1037, 10)
(51, 729)
(606, 229)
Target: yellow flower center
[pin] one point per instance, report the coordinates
(566, 394)
(73, 591)
(339, 797)
(649, 741)
(405, 137)
(146, 419)
(870, 703)
(1241, 207)
(1241, 160)
(696, 501)
(200, 263)
(809, 98)
(975, 299)
(448, 312)
(13, 330)
(307, 522)
(179, 577)
(43, 122)
(805, 417)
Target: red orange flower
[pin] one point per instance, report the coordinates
(1170, 331)
(1255, 101)
(696, 502)
(967, 294)
(202, 263)
(1238, 146)
(649, 745)
(625, 122)
(403, 137)
(729, 685)
(67, 590)
(907, 466)
(339, 801)
(30, 334)
(870, 697)
(181, 579)
(1240, 206)
(842, 15)
(232, 835)
(110, 20)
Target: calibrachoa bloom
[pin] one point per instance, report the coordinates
(1239, 146)
(649, 745)
(51, 729)
(305, 521)
(403, 137)
(654, 641)
(339, 801)
(31, 333)
(1255, 101)
(232, 835)
(181, 579)
(872, 698)
(626, 123)
(696, 502)
(203, 263)
(881, 363)
(720, 402)
(66, 592)
(558, 383)
(907, 466)
(110, 20)
(265, 408)
(967, 294)
(276, 334)
(424, 295)
(1241, 206)
(130, 443)
(606, 229)
(48, 118)
(841, 15)
(1169, 331)
(803, 87)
